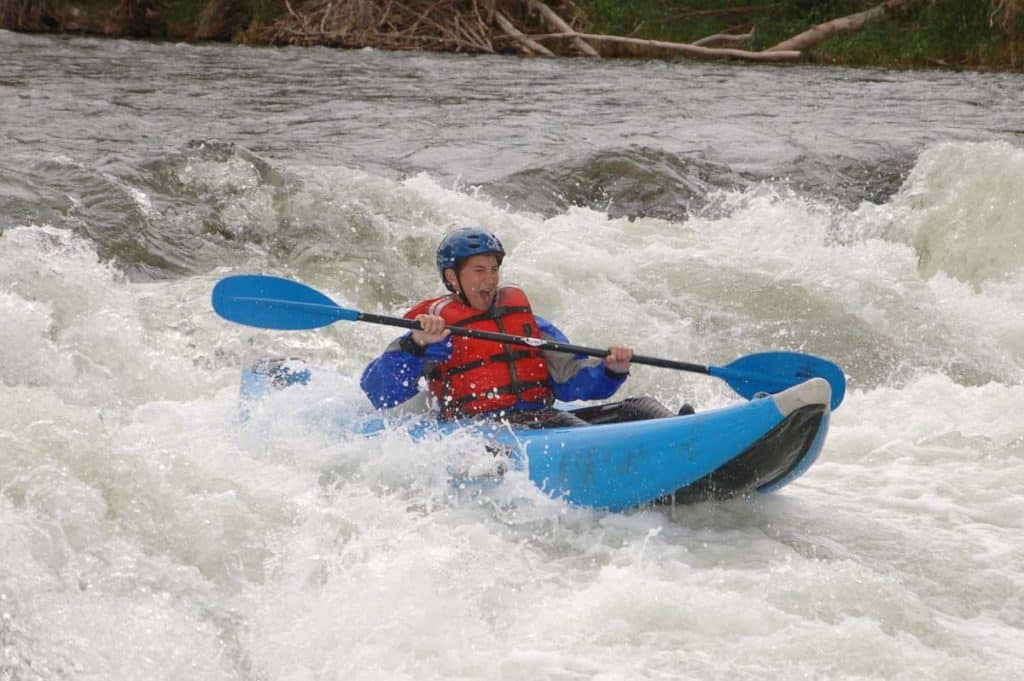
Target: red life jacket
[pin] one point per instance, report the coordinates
(484, 376)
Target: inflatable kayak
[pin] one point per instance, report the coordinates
(751, 447)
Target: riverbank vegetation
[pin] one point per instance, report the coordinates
(972, 33)
(911, 33)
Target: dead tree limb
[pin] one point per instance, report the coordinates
(485, 40)
(559, 24)
(471, 26)
(852, 22)
(686, 48)
(725, 39)
(529, 45)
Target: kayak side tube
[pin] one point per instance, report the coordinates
(741, 449)
(756, 446)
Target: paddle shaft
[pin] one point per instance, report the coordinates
(276, 303)
(537, 343)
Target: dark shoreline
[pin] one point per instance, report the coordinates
(971, 35)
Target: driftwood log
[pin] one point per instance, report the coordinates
(725, 39)
(530, 46)
(475, 26)
(852, 22)
(689, 49)
(557, 23)
(531, 27)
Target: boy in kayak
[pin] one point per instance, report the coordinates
(470, 377)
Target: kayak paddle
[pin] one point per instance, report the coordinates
(275, 303)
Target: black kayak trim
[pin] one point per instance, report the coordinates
(775, 455)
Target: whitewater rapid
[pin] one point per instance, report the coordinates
(148, 534)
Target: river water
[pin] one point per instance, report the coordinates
(696, 211)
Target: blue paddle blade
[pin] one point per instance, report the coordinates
(274, 303)
(772, 372)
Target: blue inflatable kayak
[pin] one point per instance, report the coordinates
(750, 447)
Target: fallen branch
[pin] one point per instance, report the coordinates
(485, 40)
(686, 48)
(725, 39)
(422, 17)
(471, 26)
(529, 45)
(852, 22)
(558, 23)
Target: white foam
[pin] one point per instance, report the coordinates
(148, 535)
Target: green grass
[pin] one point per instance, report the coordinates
(671, 20)
(928, 33)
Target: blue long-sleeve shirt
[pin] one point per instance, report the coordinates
(393, 377)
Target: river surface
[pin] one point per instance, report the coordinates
(696, 211)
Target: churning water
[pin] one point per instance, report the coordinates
(698, 212)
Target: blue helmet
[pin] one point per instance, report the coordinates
(461, 244)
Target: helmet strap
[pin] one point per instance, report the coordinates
(456, 286)
(460, 291)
